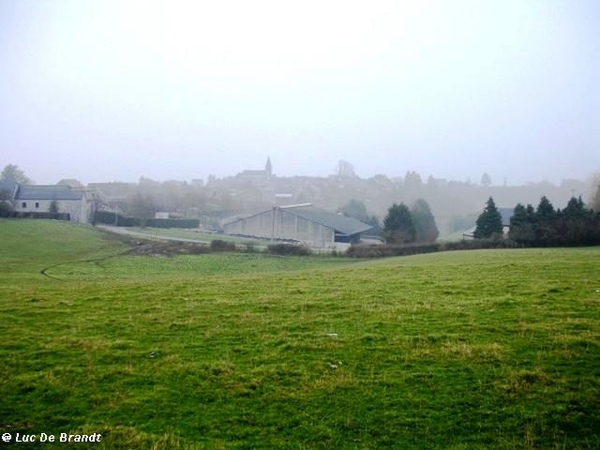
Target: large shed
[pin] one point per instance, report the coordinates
(303, 223)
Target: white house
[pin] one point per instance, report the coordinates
(34, 198)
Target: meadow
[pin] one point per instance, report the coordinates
(456, 350)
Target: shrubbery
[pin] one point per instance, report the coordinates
(218, 245)
(381, 251)
(288, 249)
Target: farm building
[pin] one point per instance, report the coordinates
(38, 198)
(303, 223)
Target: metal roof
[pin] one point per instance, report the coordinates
(506, 214)
(337, 222)
(50, 192)
(8, 186)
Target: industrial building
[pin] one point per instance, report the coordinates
(301, 223)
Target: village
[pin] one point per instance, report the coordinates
(333, 211)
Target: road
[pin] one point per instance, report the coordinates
(127, 232)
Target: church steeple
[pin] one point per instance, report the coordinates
(269, 167)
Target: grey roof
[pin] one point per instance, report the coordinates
(8, 186)
(51, 192)
(506, 214)
(337, 222)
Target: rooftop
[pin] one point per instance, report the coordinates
(47, 192)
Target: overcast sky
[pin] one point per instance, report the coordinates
(114, 89)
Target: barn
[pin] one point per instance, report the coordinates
(302, 223)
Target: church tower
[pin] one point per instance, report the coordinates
(269, 168)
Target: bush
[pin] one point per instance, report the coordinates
(219, 245)
(5, 209)
(288, 249)
(250, 248)
(383, 251)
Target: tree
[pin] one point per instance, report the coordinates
(595, 203)
(545, 210)
(412, 181)
(345, 169)
(489, 223)
(425, 228)
(522, 225)
(12, 173)
(6, 206)
(374, 222)
(575, 209)
(142, 206)
(53, 208)
(398, 226)
(356, 209)
(545, 227)
(486, 180)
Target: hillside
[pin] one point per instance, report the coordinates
(483, 349)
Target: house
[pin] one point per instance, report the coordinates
(301, 223)
(39, 198)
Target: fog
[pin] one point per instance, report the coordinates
(113, 90)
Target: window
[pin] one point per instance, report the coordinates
(37, 205)
(24, 205)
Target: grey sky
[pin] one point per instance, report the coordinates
(113, 90)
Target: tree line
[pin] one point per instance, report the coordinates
(544, 226)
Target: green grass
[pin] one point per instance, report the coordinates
(460, 350)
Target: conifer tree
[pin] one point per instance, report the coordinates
(398, 226)
(425, 227)
(521, 225)
(489, 223)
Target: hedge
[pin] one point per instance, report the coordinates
(382, 251)
(172, 223)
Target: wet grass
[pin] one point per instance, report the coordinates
(462, 350)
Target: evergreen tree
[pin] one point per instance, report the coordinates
(486, 180)
(545, 226)
(575, 209)
(596, 200)
(398, 226)
(521, 225)
(489, 223)
(374, 222)
(425, 227)
(545, 211)
(357, 210)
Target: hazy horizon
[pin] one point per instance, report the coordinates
(112, 91)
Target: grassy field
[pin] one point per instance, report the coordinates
(459, 350)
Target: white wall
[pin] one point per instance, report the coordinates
(79, 210)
